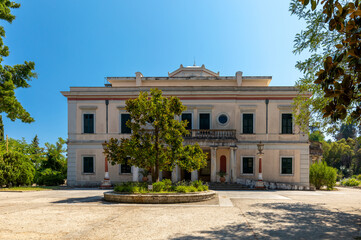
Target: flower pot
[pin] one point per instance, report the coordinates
(222, 179)
(144, 179)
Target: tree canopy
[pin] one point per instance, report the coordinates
(12, 77)
(332, 72)
(156, 142)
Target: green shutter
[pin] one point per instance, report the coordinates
(286, 166)
(248, 165)
(88, 123)
(188, 117)
(287, 123)
(88, 165)
(248, 123)
(204, 121)
(124, 128)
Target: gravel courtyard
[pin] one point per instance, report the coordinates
(82, 214)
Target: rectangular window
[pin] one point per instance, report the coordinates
(125, 168)
(286, 165)
(248, 123)
(188, 117)
(88, 123)
(88, 164)
(287, 123)
(204, 121)
(124, 117)
(247, 165)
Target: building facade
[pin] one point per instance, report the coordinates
(228, 116)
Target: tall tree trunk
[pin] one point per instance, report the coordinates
(156, 175)
(1, 129)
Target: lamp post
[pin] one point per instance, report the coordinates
(106, 182)
(259, 183)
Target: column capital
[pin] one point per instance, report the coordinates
(213, 147)
(233, 147)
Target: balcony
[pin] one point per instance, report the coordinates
(211, 134)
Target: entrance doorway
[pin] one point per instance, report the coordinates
(204, 174)
(185, 175)
(223, 164)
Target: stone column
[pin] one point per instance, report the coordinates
(213, 164)
(106, 182)
(160, 175)
(135, 174)
(233, 176)
(194, 176)
(259, 183)
(175, 174)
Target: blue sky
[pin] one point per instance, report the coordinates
(78, 43)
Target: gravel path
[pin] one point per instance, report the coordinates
(82, 214)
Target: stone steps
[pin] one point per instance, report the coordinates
(227, 186)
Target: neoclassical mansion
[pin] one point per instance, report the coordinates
(228, 116)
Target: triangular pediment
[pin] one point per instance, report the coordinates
(193, 71)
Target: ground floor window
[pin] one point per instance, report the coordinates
(125, 168)
(88, 164)
(247, 165)
(286, 165)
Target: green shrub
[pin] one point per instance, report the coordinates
(322, 175)
(181, 189)
(352, 182)
(202, 188)
(192, 189)
(358, 177)
(197, 183)
(49, 177)
(167, 185)
(16, 169)
(158, 186)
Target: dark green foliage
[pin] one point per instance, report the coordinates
(346, 131)
(158, 186)
(49, 177)
(12, 77)
(16, 169)
(156, 142)
(323, 175)
(53, 167)
(332, 72)
(350, 182)
(317, 136)
(163, 186)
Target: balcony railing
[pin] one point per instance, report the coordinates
(211, 134)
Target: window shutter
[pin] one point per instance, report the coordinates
(124, 128)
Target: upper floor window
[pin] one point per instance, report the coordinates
(287, 123)
(204, 121)
(88, 165)
(248, 123)
(188, 117)
(124, 117)
(88, 123)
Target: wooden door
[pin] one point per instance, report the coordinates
(223, 162)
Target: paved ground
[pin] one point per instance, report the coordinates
(81, 214)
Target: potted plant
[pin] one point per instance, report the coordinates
(222, 175)
(145, 174)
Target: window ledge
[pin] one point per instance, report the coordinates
(286, 175)
(88, 173)
(247, 174)
(125, 173)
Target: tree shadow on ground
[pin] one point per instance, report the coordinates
(286, 221)
(94, 199)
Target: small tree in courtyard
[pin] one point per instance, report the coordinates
(156, 142)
